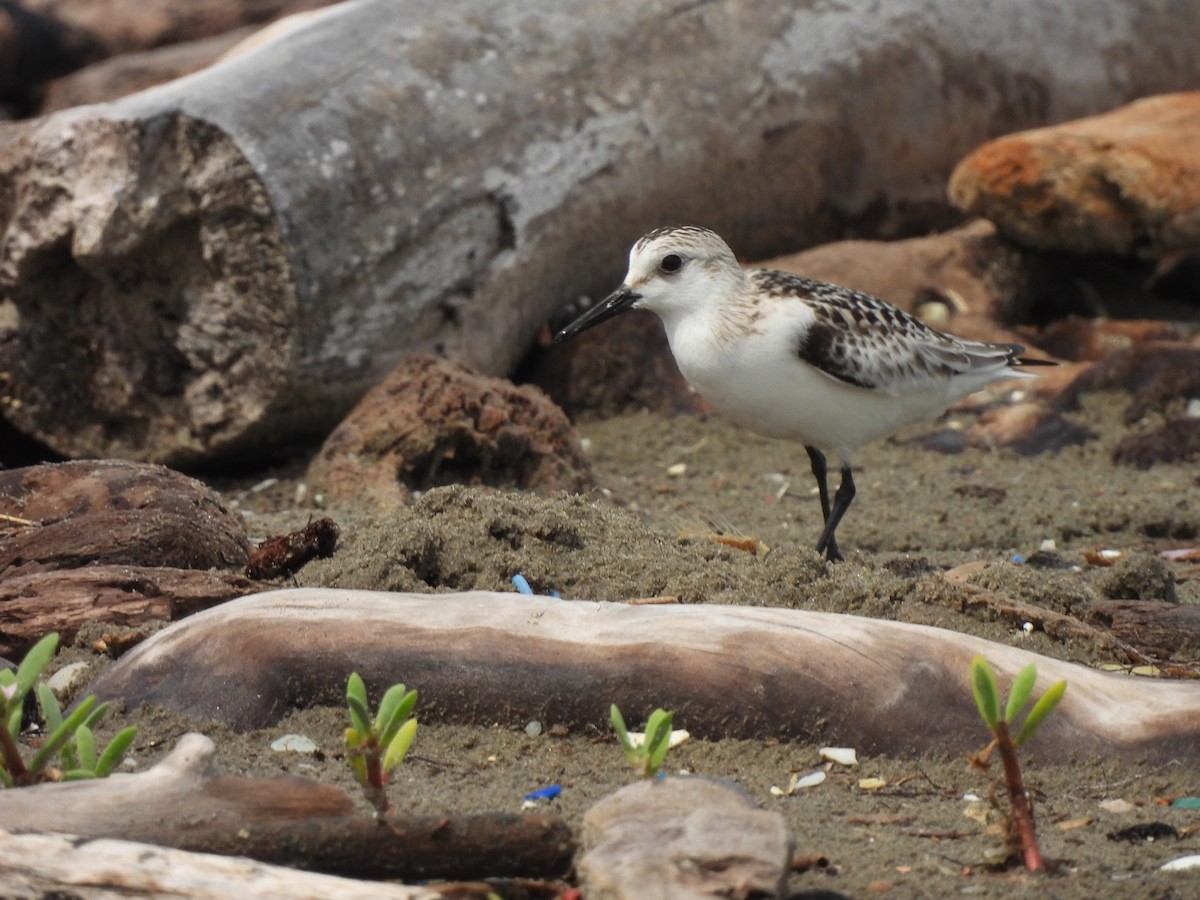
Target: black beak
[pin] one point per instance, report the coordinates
(617, 302)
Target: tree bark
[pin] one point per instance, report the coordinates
(206, 269)
(724, 671)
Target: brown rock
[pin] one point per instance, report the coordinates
(626, 366)
(1126, 182)
(130, 72)
(113, 513)
(683, 838)
(124, 26)
(434, 421)
(1079, 338)
(968, 271)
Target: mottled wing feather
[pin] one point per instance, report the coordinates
(861, 340)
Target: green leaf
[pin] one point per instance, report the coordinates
(51, 711)
(354, 740)
(1041, 709)
(401, 703)
(115, 751)
(5, 778)
(96, 715)
(397, 749)
(14, 721)
(62, 734)
(85, 742)
(356, 703)
(78, 775)
(658, 740)
(618, 724)
(35, 663)
(1018, 694)
(983, 686)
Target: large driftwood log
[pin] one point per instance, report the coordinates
(184, 802)
(233, 258)
(726, 671)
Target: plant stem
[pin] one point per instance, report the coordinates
(375, 779)
(12, 757)
(1018, 799)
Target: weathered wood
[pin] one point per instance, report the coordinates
(883, 687)
(111, 512)
(34, 605)
(184, 802)
(37, 866)
(204, 269)
(1157, 628)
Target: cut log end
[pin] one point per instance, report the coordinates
(124, 319)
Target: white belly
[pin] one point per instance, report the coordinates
(758, 382)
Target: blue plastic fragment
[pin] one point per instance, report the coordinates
(1186, 803)
(547, 793)
(1017, 558)
(521, 584)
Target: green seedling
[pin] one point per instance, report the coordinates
(374, 747)
(70, 739)
(1022, 835)
(648, 756)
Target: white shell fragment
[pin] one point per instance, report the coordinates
(799, 782)
(1182, 864)
(677, 469)
(293, 743)
(678, 736)
(843, 756)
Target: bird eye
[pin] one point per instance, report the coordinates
(671, 263)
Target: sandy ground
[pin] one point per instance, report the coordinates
(664, 484)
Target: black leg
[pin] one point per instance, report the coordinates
(841, 502)
(817, 458)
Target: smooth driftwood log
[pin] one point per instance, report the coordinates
(230, 260)
(185, 803)
(38, 866)
(883, 687)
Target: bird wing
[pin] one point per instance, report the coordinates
(861, 340)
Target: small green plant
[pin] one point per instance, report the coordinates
(374, 747)
(1022, 836)
(648, 755)
(70, 739)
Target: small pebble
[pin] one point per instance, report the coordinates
(677, 469)
(843, 756)
(1048, 546)
(534, 728)
(293, 743)
(67, 678)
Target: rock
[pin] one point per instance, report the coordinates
(1175, 441)
(66, 680)
(1078, 338)
(127, 73)
(489, 657)
(75, 514)
(189, 276)
(1139, 576)
(35, 47)
(1126, 182)
(434, 421)
(127, 26)
(682, 839)
(1160, 375)
(962, 277)
(626, 366)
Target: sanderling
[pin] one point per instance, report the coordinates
(793, 358)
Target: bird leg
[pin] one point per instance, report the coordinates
(841, 503)
(817, 458)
